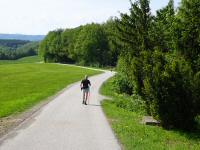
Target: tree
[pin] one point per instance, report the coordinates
(134, 36)
(15, 49)
(163, 28)
(51, 48)
(134, 29)
(189, 40)
(150, 66)
(69, 39)
(110, 28)
(87, 45)
(92, 45)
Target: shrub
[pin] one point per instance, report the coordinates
(132, 103)
(130, 70)
(171, 93)
(196, 91)
(122, 82)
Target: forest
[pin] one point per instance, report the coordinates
(15, 49)
(157, 57)
(92, 44)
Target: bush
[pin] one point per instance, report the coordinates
(167, 84)
(122, 82)
(196, 91)
(171, 93)
(132, 103)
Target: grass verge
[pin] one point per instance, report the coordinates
(125, 122)
(24, 85)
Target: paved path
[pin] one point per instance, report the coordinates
(66, 124)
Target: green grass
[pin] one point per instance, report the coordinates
(30, 59)
(133, 135)
(24, 85)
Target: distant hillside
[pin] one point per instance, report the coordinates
(12, 44)
(15, 49)
(22, 37)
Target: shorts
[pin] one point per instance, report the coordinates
(86, 90)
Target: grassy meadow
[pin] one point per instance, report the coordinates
(24, 85)
(30, 59)
(134, 135)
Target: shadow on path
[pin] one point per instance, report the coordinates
(93, 105)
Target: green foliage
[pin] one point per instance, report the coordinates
(158, 57)
(69, 39)
(15, 49)
(134, 28)
(125, 114)
(86, 45)
(122, 84)
(170, 93)
(29, 49)
(163, 28)
(13, 44)
(188, 23)
(132, 103)
(92, 46)
(121, 81)
(160, 60)
(196, 91)
(110, 28)
(51, 47)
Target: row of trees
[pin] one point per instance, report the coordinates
(15, 49)
(157, 56)
(86, 45)
(160, 60)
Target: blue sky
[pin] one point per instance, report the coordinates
(41, 16)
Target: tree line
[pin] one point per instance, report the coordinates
(157, 56)
(15, 49)
(85, 45)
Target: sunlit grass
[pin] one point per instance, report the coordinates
(30, 59)
(24, 85)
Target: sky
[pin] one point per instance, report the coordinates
(41, 16)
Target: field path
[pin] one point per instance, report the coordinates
(66, 124)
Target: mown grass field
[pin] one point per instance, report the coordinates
(24, 85)
(30, 59)
(135, 136)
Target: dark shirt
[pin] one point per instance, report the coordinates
(85, 83)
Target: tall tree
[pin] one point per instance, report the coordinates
(114, 47)
(163, 29)
(69, 39)
(92, 45)
(134, 33)
(189, 24)
(134, 29)
(51, 47)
